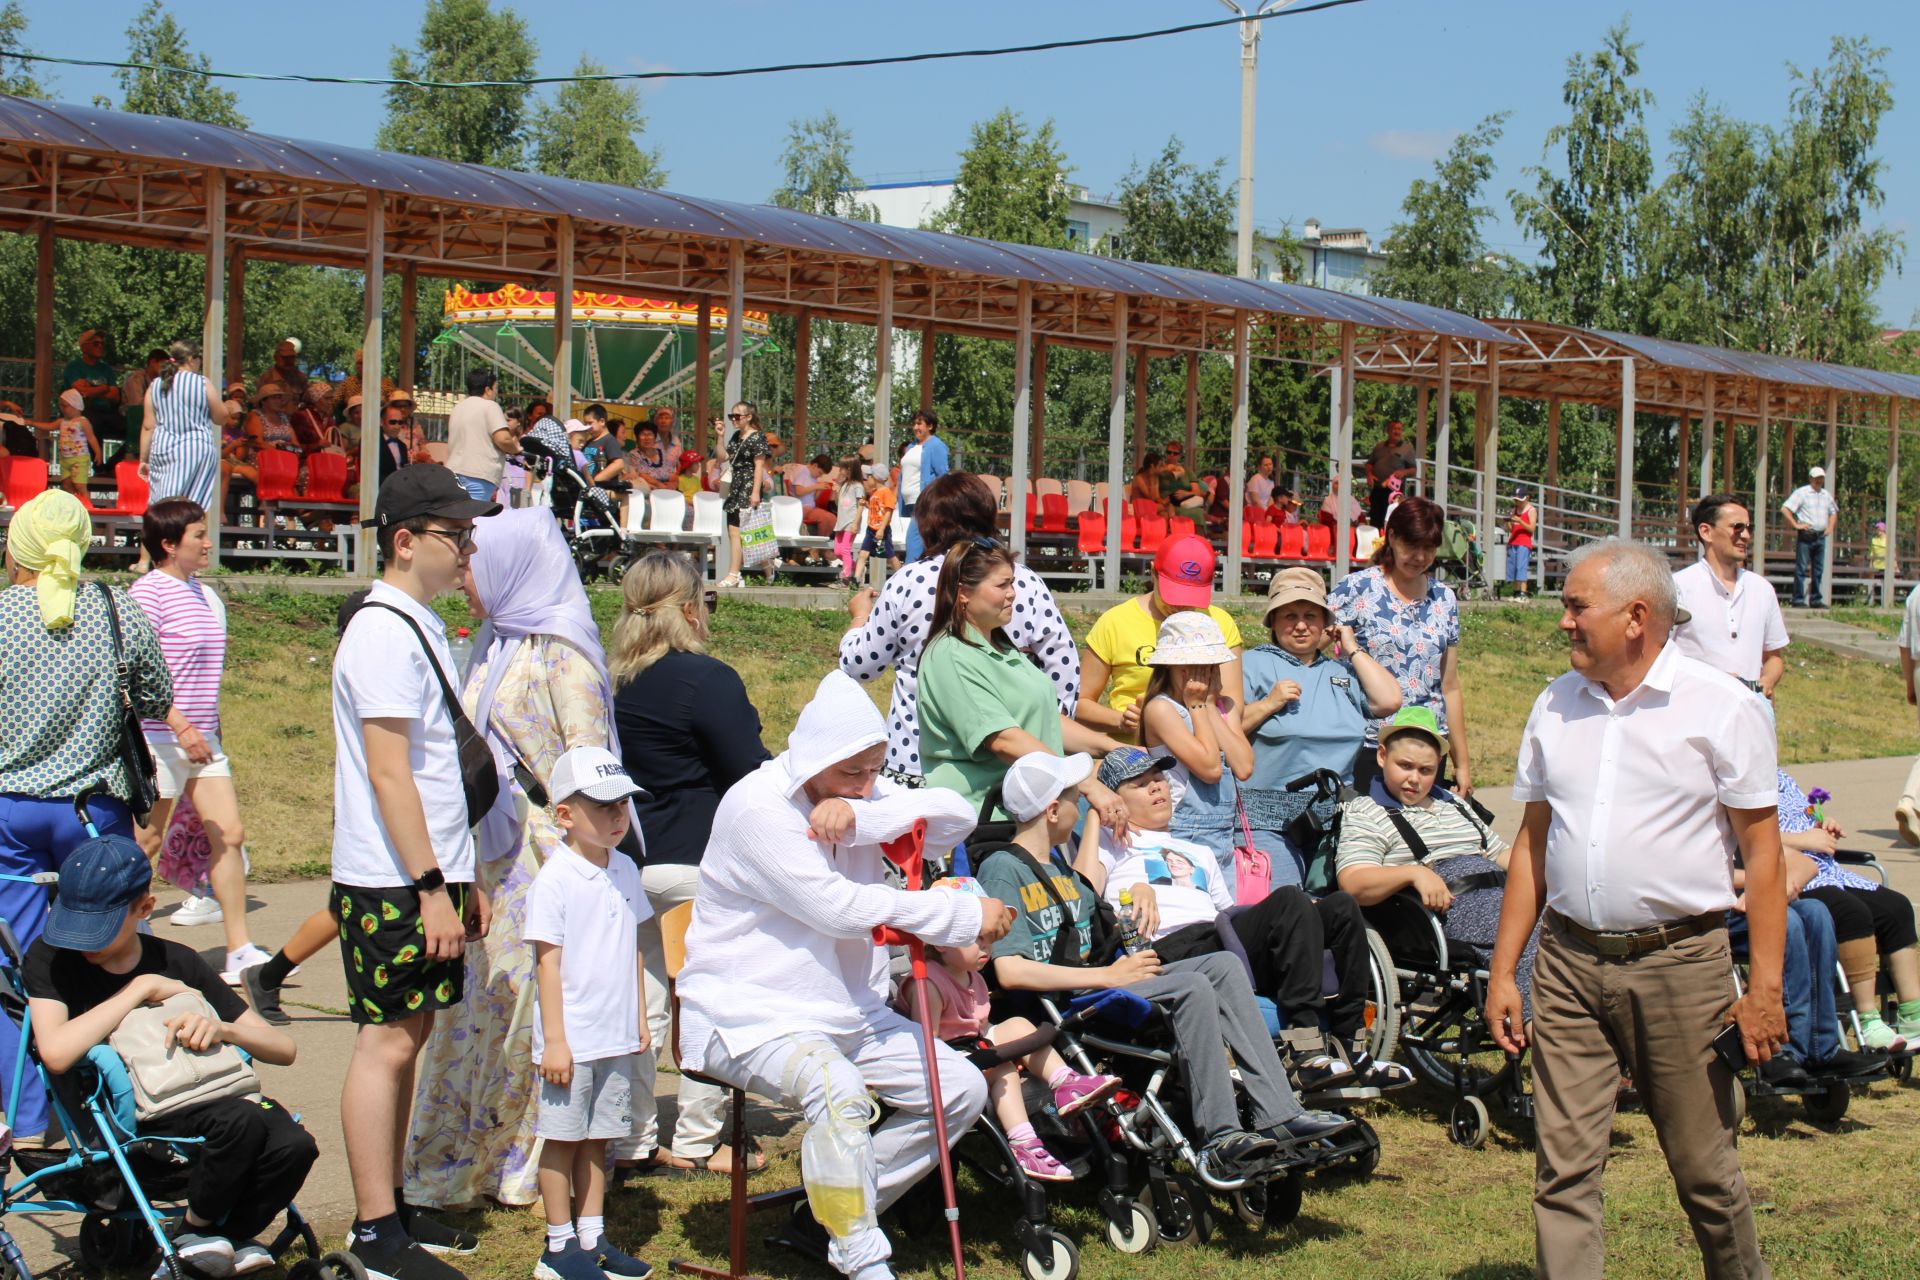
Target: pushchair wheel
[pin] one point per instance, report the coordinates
(1050, 1257)
(1138, 1233)
(1367, 1159)
(113, 1244)
(1827, 1106)
(338, 1264)
(1270, 1204)
(1468, 1123)
(1185, 1213)
(1901, 1068)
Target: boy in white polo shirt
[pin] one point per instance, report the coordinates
(583, 919)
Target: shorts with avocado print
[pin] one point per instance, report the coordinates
(383, 944)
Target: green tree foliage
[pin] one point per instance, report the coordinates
(590, 130)
(462, 40)
(1177, 214)
(1437, 253)
(1012, 184)
(156, 39)
(16, 76)
(1587, 218)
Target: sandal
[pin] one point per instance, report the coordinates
(732, 580)
(662, 1163)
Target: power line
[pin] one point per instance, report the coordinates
(722, 74)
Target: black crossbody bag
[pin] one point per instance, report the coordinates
(136, 757)
(1495, 879)
(479, 775)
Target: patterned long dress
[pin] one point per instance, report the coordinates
(475, 1095)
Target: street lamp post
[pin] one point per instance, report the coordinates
(1249, 67)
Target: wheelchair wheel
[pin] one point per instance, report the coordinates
(1827, 1106)
(1901, 1067)
(1184, 1213)
(1269, 1204)
(1468, 1122)
(1367, 1159)
(1383, 1000)
(1051, 1257)
(338, 1264)
(1138, 1234)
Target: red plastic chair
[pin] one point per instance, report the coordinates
(1180, 526)
(1053, 513)
(1246, 539)
(22, 479)
(1266, 542)
(1145, 509)
(1092, 539)
(279, 469)
(1319, 543)
(1293, 541)
(327, 477)
(1129, 532)
(1152, 534)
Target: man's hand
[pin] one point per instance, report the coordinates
(1433, 891)
(479, 917)
(995, 919)
(1763, 1023)
(556, 1062)
(194, 1032)
(646, 1036)
(1146, 909)
(831, 821)
(860, 607)
(446, 933)
(1130, 969)
(1504, 1013)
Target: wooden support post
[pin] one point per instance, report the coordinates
(1443, 427)
(1891, 570)
(562, 322)
(44, 390)
(1022, 416)
(1140, 412)
(1420, 397)
(1039, 410)
(370, 341)
(802, 375)
(1342, 461)
(1116, 445)
(1762, 429)
(736, 323)
(408, 373)
(1625, 454)
(1237, 459)
(1789, 468)
(926, 366)
(882, 399)
(702, 387)
(1553, 442)
(1707, 426)
(213, 329)
(1193, 405)
(1726, 458)
(236, 335)
(1833, 487)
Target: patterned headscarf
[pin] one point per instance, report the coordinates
(48, 536)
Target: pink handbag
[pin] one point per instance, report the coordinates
(1252, 868)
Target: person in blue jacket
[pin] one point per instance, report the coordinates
(922, 464)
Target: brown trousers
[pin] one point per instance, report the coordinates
(1653, 1015)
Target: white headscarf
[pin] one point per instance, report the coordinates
(837, 725)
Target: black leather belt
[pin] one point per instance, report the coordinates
(1616, 944)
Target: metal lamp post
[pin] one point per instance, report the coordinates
(1249, 67)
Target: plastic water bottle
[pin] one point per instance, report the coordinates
(1130, 939)
(462, 646)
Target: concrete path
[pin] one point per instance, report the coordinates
(1815, 627)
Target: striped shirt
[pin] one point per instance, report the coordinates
(1368, 837)
(191, 623)
(184, 461)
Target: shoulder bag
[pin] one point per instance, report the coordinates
(167, 1076)
(136, 758)
(479, 774)
(1252, 868)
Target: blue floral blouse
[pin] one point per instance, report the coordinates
(1408, 638)
(1794, 818)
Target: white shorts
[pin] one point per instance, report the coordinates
(173, 771)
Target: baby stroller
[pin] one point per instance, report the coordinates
(1459, 559)
(590, 522)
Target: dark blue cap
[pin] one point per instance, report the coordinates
(98, 882)
(1128, 763)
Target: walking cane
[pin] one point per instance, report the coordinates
(907, 853)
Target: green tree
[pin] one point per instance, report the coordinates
(1176, 213)
(590, 131)
(816, 169)
(156, 39)
(1012, 184)
(1437, 253)
(1587, 220)
(16, 76)
(1704, 244)
(462, 40)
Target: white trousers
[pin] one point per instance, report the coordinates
(887, 1059)
(702, 1107)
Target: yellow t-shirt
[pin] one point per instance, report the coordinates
(1124, 637)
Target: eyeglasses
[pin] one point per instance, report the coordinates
(461, 540)
(1738, 529)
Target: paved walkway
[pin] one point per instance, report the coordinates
(1815, 626)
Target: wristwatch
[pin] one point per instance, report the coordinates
(434, 879)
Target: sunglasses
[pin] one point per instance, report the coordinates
(1738, 529)
(737, 417)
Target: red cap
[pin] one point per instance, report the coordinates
(1183, 572)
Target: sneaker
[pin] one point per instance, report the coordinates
(1783, 1073)
(1381, 1075)
(247, 957)
(1310, 1126)
(1849, 1065)
(208, 1254)
(1322, 1071)
(265, 999)
(1876, 1034)
(1235, 1153)
(251, 1257)
(617, 1265)
(1038, 1163)
(571, 1263)
(436, 1236)
(1081, 1092)
(1908, 1029)
(197, 910)
(1907, 818)
(409, 1263)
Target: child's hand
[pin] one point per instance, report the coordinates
(157, 989)
(1197, 692)
(831, 821)
(195, 1032)
(1146, 909)
(1130, 969)
(646, 1036)
(556, 1061)
(1433, 891)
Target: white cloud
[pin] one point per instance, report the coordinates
(1413, 144)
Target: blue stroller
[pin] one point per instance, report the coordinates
(122, 1182)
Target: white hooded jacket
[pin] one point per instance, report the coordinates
(781, 939)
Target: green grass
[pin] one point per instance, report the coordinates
(278, 719)
(1885, 621)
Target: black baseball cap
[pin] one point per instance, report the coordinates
(425, 489)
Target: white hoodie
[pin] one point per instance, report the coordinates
(781, 939)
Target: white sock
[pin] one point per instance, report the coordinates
(558, 1237)
(590, 1230)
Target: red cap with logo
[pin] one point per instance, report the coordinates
(1183, 572)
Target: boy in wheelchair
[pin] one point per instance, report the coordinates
(1407, 834)
(89, 971)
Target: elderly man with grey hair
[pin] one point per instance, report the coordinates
(1647, 777)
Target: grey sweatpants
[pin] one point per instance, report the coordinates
(1209, 1001)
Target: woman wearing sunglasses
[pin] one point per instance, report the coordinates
(744, 478)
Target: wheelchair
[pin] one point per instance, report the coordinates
(120, 1182)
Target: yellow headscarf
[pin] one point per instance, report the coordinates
(49, 534)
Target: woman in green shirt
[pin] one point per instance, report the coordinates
(983, 704)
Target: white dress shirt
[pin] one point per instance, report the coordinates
(1731, 631)
(1639, 790)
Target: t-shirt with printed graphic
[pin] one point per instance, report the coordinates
(1037, 918)
(1186, 879)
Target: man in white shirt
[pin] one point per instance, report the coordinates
(404, 888)
(479, 439)
(1735, 624)
(1645, 774)
(1811, 511)
(1906, 814)
(784, 991)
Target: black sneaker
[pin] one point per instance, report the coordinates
(1849, 1065)
(1322, 1071)
(1310, 1126)
(1236, 1153)
(436, 1236)
(410, 1262)
(618, 1264)
(570, 1263)
(1784, 1073)
(265, 999)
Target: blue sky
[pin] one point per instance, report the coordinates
(1354, 103)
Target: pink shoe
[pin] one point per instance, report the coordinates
(1081, 1092)
(1038, 1163)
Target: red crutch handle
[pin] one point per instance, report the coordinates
(907, 852)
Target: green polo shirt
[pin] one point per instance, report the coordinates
(967, 692)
